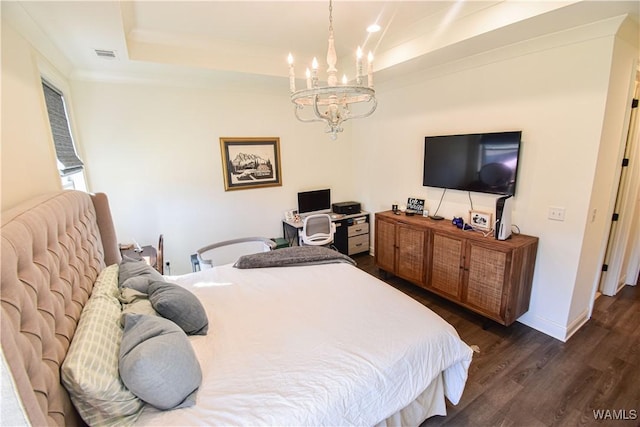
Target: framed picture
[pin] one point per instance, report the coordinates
(416, 205)
(250, 162)
(290, 215)
(480, 220)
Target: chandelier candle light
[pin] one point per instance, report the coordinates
(330, 103)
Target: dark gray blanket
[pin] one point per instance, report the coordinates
(293, 256)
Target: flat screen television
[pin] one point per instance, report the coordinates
(313, 201)
(481, 162)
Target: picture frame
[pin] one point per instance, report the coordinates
(481, 220)
(415, 204)
(290, 214)
(252, 162)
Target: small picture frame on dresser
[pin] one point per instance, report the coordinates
(481, 220)
(416, 205)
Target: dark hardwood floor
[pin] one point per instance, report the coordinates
(522, 377)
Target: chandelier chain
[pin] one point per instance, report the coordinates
(330, 16)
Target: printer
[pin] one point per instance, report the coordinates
(346, 208)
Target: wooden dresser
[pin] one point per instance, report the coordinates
(489, 276)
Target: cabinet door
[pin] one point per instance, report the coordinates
(411, 254)
(447, 265)
(385, 245)
(340, 238)
(486, 269)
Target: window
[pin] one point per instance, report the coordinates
(69, 164)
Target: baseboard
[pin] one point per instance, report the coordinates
(546, 326)
(577, 324)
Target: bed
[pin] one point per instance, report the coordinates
(319, 344)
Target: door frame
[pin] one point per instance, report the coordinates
(621, 254)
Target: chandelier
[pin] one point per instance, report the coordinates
(331, 103)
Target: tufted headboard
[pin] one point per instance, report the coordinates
(53, 248)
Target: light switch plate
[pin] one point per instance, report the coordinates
(556, 213)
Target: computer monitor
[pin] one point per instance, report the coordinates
(314, 201)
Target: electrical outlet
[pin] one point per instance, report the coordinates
(556, 213)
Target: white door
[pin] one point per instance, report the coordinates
(621, 256)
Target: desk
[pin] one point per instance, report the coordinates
(352, 232)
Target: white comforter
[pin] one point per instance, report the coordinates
(315, 345)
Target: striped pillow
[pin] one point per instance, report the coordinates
(90, 370)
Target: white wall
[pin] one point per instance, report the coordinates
(555, 90)
(28, 157)
(615, 126)
(154, 149)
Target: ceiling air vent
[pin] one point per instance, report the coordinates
(105, 53)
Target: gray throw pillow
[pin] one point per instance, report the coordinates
(134, 268)
(135, 302)
(180, 306)
(139, 283)
(157, 362)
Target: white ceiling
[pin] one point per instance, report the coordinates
(256, 36)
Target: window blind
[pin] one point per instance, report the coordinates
(65, 150)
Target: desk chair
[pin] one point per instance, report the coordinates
(318, 230)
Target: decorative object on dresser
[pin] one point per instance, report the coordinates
(481, 220)
(416, 205)
(488, 276)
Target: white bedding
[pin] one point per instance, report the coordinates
(315, 345)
